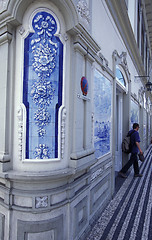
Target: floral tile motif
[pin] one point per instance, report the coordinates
(42, 152)
(43, 56)
(44, 59)
(42, 93)
(102, 114)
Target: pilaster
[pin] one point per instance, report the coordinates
(85, 51)
(5, 95)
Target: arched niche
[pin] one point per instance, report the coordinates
(40, 38)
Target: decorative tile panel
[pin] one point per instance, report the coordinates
(134, 113)
(102, 114)
(42, 88)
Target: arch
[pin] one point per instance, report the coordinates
(66, 7)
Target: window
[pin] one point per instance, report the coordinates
(120, 77)
(42, 87)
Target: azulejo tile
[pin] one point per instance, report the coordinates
(102, 114)
(41, 84)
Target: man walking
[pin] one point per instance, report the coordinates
(135, 148)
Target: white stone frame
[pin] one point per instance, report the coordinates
(22, 33)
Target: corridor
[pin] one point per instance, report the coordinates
(129, 215)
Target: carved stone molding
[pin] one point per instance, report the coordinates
(83, 10)
(63, 124)
(21, 131)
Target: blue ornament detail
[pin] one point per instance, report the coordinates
(41, 132)
(44, 59)
(44, 24)
(42, 152)
(42, 93)
(42, 117)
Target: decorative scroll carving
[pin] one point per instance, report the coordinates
(63, 123)
(83, 10)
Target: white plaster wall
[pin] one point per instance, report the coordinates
(105, 32)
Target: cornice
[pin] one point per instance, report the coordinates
(13, 175)
(81, 35)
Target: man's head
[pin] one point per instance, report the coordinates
(136, 126)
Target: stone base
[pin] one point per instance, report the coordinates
(52, 206)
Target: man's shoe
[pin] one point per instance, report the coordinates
(138, 175)
(122, 175)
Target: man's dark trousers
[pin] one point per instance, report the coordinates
(133, 160)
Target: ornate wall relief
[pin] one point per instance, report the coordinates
(83, 10)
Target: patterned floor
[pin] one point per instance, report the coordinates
(129, 215)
